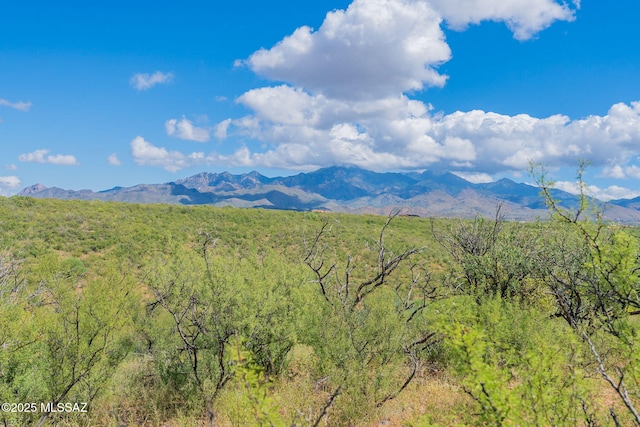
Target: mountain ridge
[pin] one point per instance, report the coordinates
(346, 189)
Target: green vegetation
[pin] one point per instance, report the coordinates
(166, 315)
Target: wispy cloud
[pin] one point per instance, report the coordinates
(476, 178)
(20, 105)
(113, 160)
(184, 129)
(43, 156)
(9, 181)
(145, 153)
(7, 184)
(222, 129)
(621, 172)
(605, 194)
(145, 81)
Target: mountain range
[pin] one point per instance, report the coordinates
(348, 189)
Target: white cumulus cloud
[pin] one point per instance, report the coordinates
(524, 17)
(373, 48)
(145, 153)
(145, 81)
(345, 97)
(380, 48)
(184, 129)
(43, 156)
(302, 129)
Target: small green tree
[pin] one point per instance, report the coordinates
(520, 366)
(494, 258)
(203, 299)
(597, 288)
(255, 394)
(67, 337)
(200, 319)
(366, 326)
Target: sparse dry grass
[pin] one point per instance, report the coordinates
(433, 399)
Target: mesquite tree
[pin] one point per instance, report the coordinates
(595, 280)
(368, 330)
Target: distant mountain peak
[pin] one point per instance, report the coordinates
(32, 189)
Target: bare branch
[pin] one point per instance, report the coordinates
(327, 405)
(618, 386)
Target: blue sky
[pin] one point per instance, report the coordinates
(95, 95)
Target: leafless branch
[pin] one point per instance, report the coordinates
(618, 385)
(327, 405)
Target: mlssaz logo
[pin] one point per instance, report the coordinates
(64, 407)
